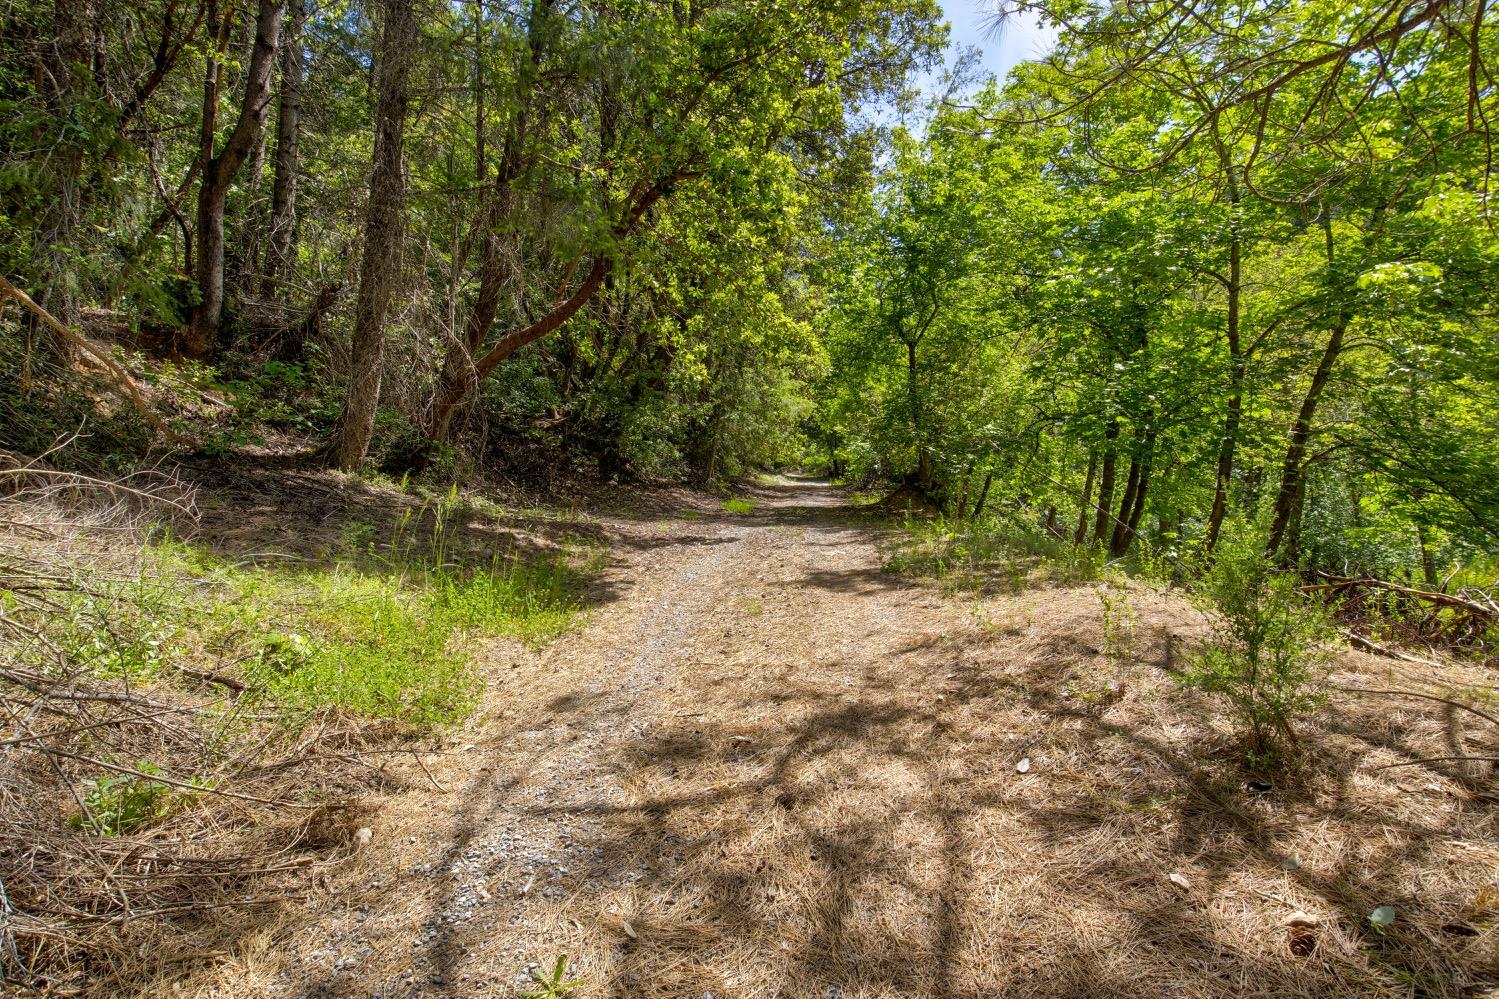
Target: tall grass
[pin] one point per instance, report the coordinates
(976, 554)
(384, 630)
(1013, 550)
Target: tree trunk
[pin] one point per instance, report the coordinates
(710, 463)
(962, 507)
(1081, 534)
(288, 160)
(481, 167)
(978, 507)
(1106, 483)
(462, 370)
(1137, 508)
(1282, 540)
(383, 232)
(1126, 504)
(65, 75)
(1292, 470)
(217, 175)
(1132, 505)
(913, 399)
(1428, 561)
(1231, 419)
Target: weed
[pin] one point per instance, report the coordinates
(119, 624)
(382, 643)
(1119, 620)
(533, 601)
(382, 634)
(1074, 564)
(356, 537)
(121, 803)
(555, 984)
(1016, 622)
(965, 554)
(742, 507)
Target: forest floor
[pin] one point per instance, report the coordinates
(764, 767)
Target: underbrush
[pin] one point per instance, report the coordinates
(965, 554)
(185, 725)
(1269, 650)
(385, 635)
(1270, 640)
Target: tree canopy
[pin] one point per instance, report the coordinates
(1203, 261)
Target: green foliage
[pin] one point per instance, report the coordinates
(1241, 274)
(553, 984)
(1268, 646)
(120, 626)
(386, 630)
(1119, 620)
(390, 639)
(365, 645)
(1006, 552)
(742, 507)
(966, 554)
(122, 803)
(42, 403)
(1136, 290)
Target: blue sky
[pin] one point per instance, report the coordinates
(1021, 39)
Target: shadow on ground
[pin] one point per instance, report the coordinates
(971, 814)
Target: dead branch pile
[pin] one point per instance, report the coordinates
(135, 824)
(1467, 619)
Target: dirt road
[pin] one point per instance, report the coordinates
(765, 768)
(664, 795)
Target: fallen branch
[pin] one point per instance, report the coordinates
(99, 354)
(1366, 645)
(1425, 697)
(205, 676)
(174, 782)
(1431, 596)
(104, 484)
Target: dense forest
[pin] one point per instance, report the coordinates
(1177, 273)
(1193, 264)
(477, 226)
(449, 307)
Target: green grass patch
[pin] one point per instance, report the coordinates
(387, 643)
(381, 632)
(964, 554)
(121, 803)
(740, 506)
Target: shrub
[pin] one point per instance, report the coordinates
(1119, 620)
(1267, 647)
(121, 803)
